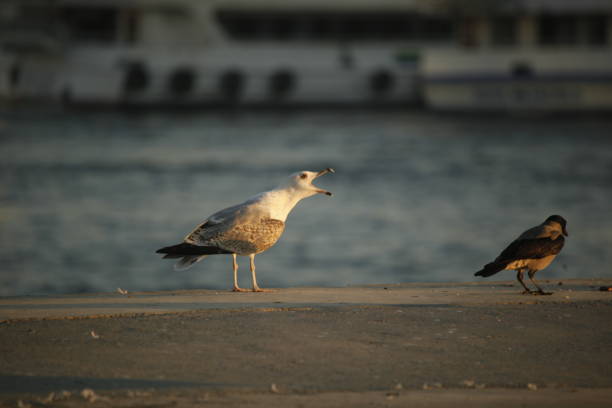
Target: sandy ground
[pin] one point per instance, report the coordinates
(421, 345)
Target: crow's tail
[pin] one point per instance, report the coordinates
(491, 269)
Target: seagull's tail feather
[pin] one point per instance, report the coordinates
(491, 269)
(184, 248)
(187, 262)
(189, 254)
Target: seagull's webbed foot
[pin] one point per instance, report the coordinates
(238, 289)
(258, 289)
(542, 293)
(528, 292)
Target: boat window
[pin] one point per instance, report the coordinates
(322, 28)
(597, 29)
(468, 33)
(90, 24)
(503, 31)
(132, 26)
(558, 30)
(437, 28)
(338, 26)
(283, 28)
(238, 26)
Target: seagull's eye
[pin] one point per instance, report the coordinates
(303, 175)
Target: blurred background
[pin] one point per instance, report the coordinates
(453, 126)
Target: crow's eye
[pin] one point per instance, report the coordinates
(303, 175)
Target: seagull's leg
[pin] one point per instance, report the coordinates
(236, 288)
(531, 274)
(519, 276)
(256, 287)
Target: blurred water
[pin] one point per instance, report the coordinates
(86, 198)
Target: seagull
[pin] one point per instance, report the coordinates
(532, 251)
(246, 229)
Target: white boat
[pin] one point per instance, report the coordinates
(216, 51)
(525, 55)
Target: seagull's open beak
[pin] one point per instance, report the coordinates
(565, 232)
(321, 173)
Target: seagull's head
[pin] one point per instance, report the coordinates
(302, 182)
(558, 220)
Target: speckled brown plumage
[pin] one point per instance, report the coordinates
(242, 238)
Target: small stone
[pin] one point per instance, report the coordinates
(89, 395)
(532, 387)
(431, 386)
(274, 388)
(94, 335)
(468, 383)
(399, 386)
(392, 395)
(64, 394)
(49, 398)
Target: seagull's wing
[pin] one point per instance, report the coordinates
(220, 222)
(213, 225)
(531, 249)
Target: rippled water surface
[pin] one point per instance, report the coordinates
(86, 198)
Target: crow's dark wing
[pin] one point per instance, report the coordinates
(531, 249)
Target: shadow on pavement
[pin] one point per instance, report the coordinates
(16, 384)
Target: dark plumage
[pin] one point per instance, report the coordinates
(523, 249)
(185, 249)
(534, 250)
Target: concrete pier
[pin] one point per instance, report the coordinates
(424, 345)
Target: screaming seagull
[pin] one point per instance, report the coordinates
(534, 250)
(246, 229)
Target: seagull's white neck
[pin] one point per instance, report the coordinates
(279, 202)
